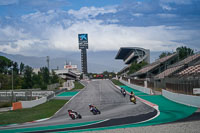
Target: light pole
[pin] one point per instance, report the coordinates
(12, 84)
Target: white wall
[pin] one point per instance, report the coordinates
(139, 88)
(33, 103)
(23, 93)
(182, 98)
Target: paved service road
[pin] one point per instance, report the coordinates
(106, 97)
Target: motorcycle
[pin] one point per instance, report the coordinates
(133, 100)
(95, 111)
(74, 115)
(123, 92)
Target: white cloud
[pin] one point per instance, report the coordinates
(177, 1)
(166, 15)
(8, 2)
(101, 37)
(40, 17)
(58, 30)
(91, 12)
(137, 14)
(112, 37)
(166, 7)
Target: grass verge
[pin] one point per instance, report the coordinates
(77, 86)
(117, 82)
(45, 110)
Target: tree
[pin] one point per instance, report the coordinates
(15, 68)
(37, 80)
(184, 52)
(54, 78)
(135, 66)
(21, 68)
(28, 83)
(5, 63)
(163, 54)
(45, 74)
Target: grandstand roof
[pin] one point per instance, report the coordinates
(130, 54)
(153, 65)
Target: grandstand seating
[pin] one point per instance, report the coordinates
(187, 60)
(177, 67)
(192, 70)
(154, 65)
(168, 72)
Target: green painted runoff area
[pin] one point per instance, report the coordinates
(67, 94)
(169, 112)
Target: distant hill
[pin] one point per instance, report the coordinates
(97, 61)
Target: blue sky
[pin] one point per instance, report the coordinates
(38, 27)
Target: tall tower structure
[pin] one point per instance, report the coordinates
(83, 46)
(48, 62)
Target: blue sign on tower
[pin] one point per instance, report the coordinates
(83, 38)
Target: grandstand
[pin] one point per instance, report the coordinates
(156, 67)
(181, 77)
(169, 73)
(181, 65)
(132, 54)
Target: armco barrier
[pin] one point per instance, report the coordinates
(33, 103)
(139, 88)
(182, 98)
(16, 105)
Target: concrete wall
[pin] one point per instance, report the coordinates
(140, 88)
(33, 103)
(25, 93)
(182, 98)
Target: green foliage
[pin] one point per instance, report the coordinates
(163, 54)
(44, 71)
(15, 68)
(5, 81)
(54, 78)
(5, 63)
(135, 66)
(39, 112)
(28, 83)
(21, 68)
(184, 52)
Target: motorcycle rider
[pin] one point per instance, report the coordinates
(132, 95)
(72, 112)
(91, 107)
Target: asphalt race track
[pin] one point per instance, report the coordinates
(115, 109)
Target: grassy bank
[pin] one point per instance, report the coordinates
(117, 82)
(77, 86)
(26, 115)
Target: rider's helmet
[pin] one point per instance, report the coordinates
(90, 105)
(69, 110)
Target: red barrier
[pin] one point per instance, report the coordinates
(17, 105)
